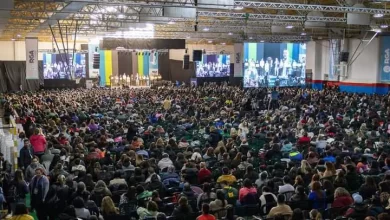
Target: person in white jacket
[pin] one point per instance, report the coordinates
(165, 162)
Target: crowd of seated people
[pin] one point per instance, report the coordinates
(210, 152)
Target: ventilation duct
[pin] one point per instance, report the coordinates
(358, 19)
(216, 4)
(179, 12)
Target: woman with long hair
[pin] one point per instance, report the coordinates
(369, 188)
(219, 204)
(317, 196)
(340, 180)
(21, 190)
(99, 192)
(183, 210)
(108, 209)
(207, 196)
(236, 160)
(329, 170)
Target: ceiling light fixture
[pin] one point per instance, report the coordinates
(121, 16)
(384, 26)
(303, 34)
(171, 22)
(210, 41)
(206, 29)
(289, 26)
(378, 15)
(230, 33)
(250, 38)
(223, 43)
(377, 30)
(238, 8)
(261, 41)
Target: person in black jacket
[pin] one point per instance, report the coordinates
(57, 198)
(183, 210)
(215, 137)
(131, 132)
(26, 155)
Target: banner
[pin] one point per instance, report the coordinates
(238, 53)
(32, 58)
(153, 63)
(384, 63)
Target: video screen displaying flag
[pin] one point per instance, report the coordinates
(63, 66)
(274, 64)
(213, 66)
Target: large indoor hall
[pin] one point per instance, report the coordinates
(194, 109)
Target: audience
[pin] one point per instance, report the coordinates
(176, 151)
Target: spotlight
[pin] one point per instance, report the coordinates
(230, 33)
(384, 26)
(378, 15)
(303, 34)
(289, 26)
(206, 29)
(238, 8)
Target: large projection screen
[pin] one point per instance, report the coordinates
(213, 66)
(55, 66)
(274, 64)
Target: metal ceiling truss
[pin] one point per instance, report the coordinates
(98, 16)
(215, 14)
(309, 7)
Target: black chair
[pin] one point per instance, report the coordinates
(303, 205)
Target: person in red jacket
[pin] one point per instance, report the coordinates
(38, 142)
(304, 140)
(204, 174)
(342, 198)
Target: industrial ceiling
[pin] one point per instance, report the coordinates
(213, 21)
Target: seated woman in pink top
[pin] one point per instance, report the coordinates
(248, 194)
(38, 142)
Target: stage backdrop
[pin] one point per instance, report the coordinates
(119, 63)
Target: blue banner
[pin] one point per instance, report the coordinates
(384, 63)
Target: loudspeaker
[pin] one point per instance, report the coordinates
(186, 62)
(344, 56)
(96, 61)
(197, 55)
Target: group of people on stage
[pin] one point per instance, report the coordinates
(274, 72)
(213, 69)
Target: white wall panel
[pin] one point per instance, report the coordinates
(365, 68)
(16, 50)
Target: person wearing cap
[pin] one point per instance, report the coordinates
(39, 187)
(359, 210)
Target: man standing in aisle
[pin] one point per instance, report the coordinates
(39, 187)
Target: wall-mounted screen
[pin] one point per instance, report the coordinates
(62, 66)
(274, 64)
(213, 66)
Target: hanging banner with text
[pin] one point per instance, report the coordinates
(384, 63)
(32, 58)
(238, 53)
